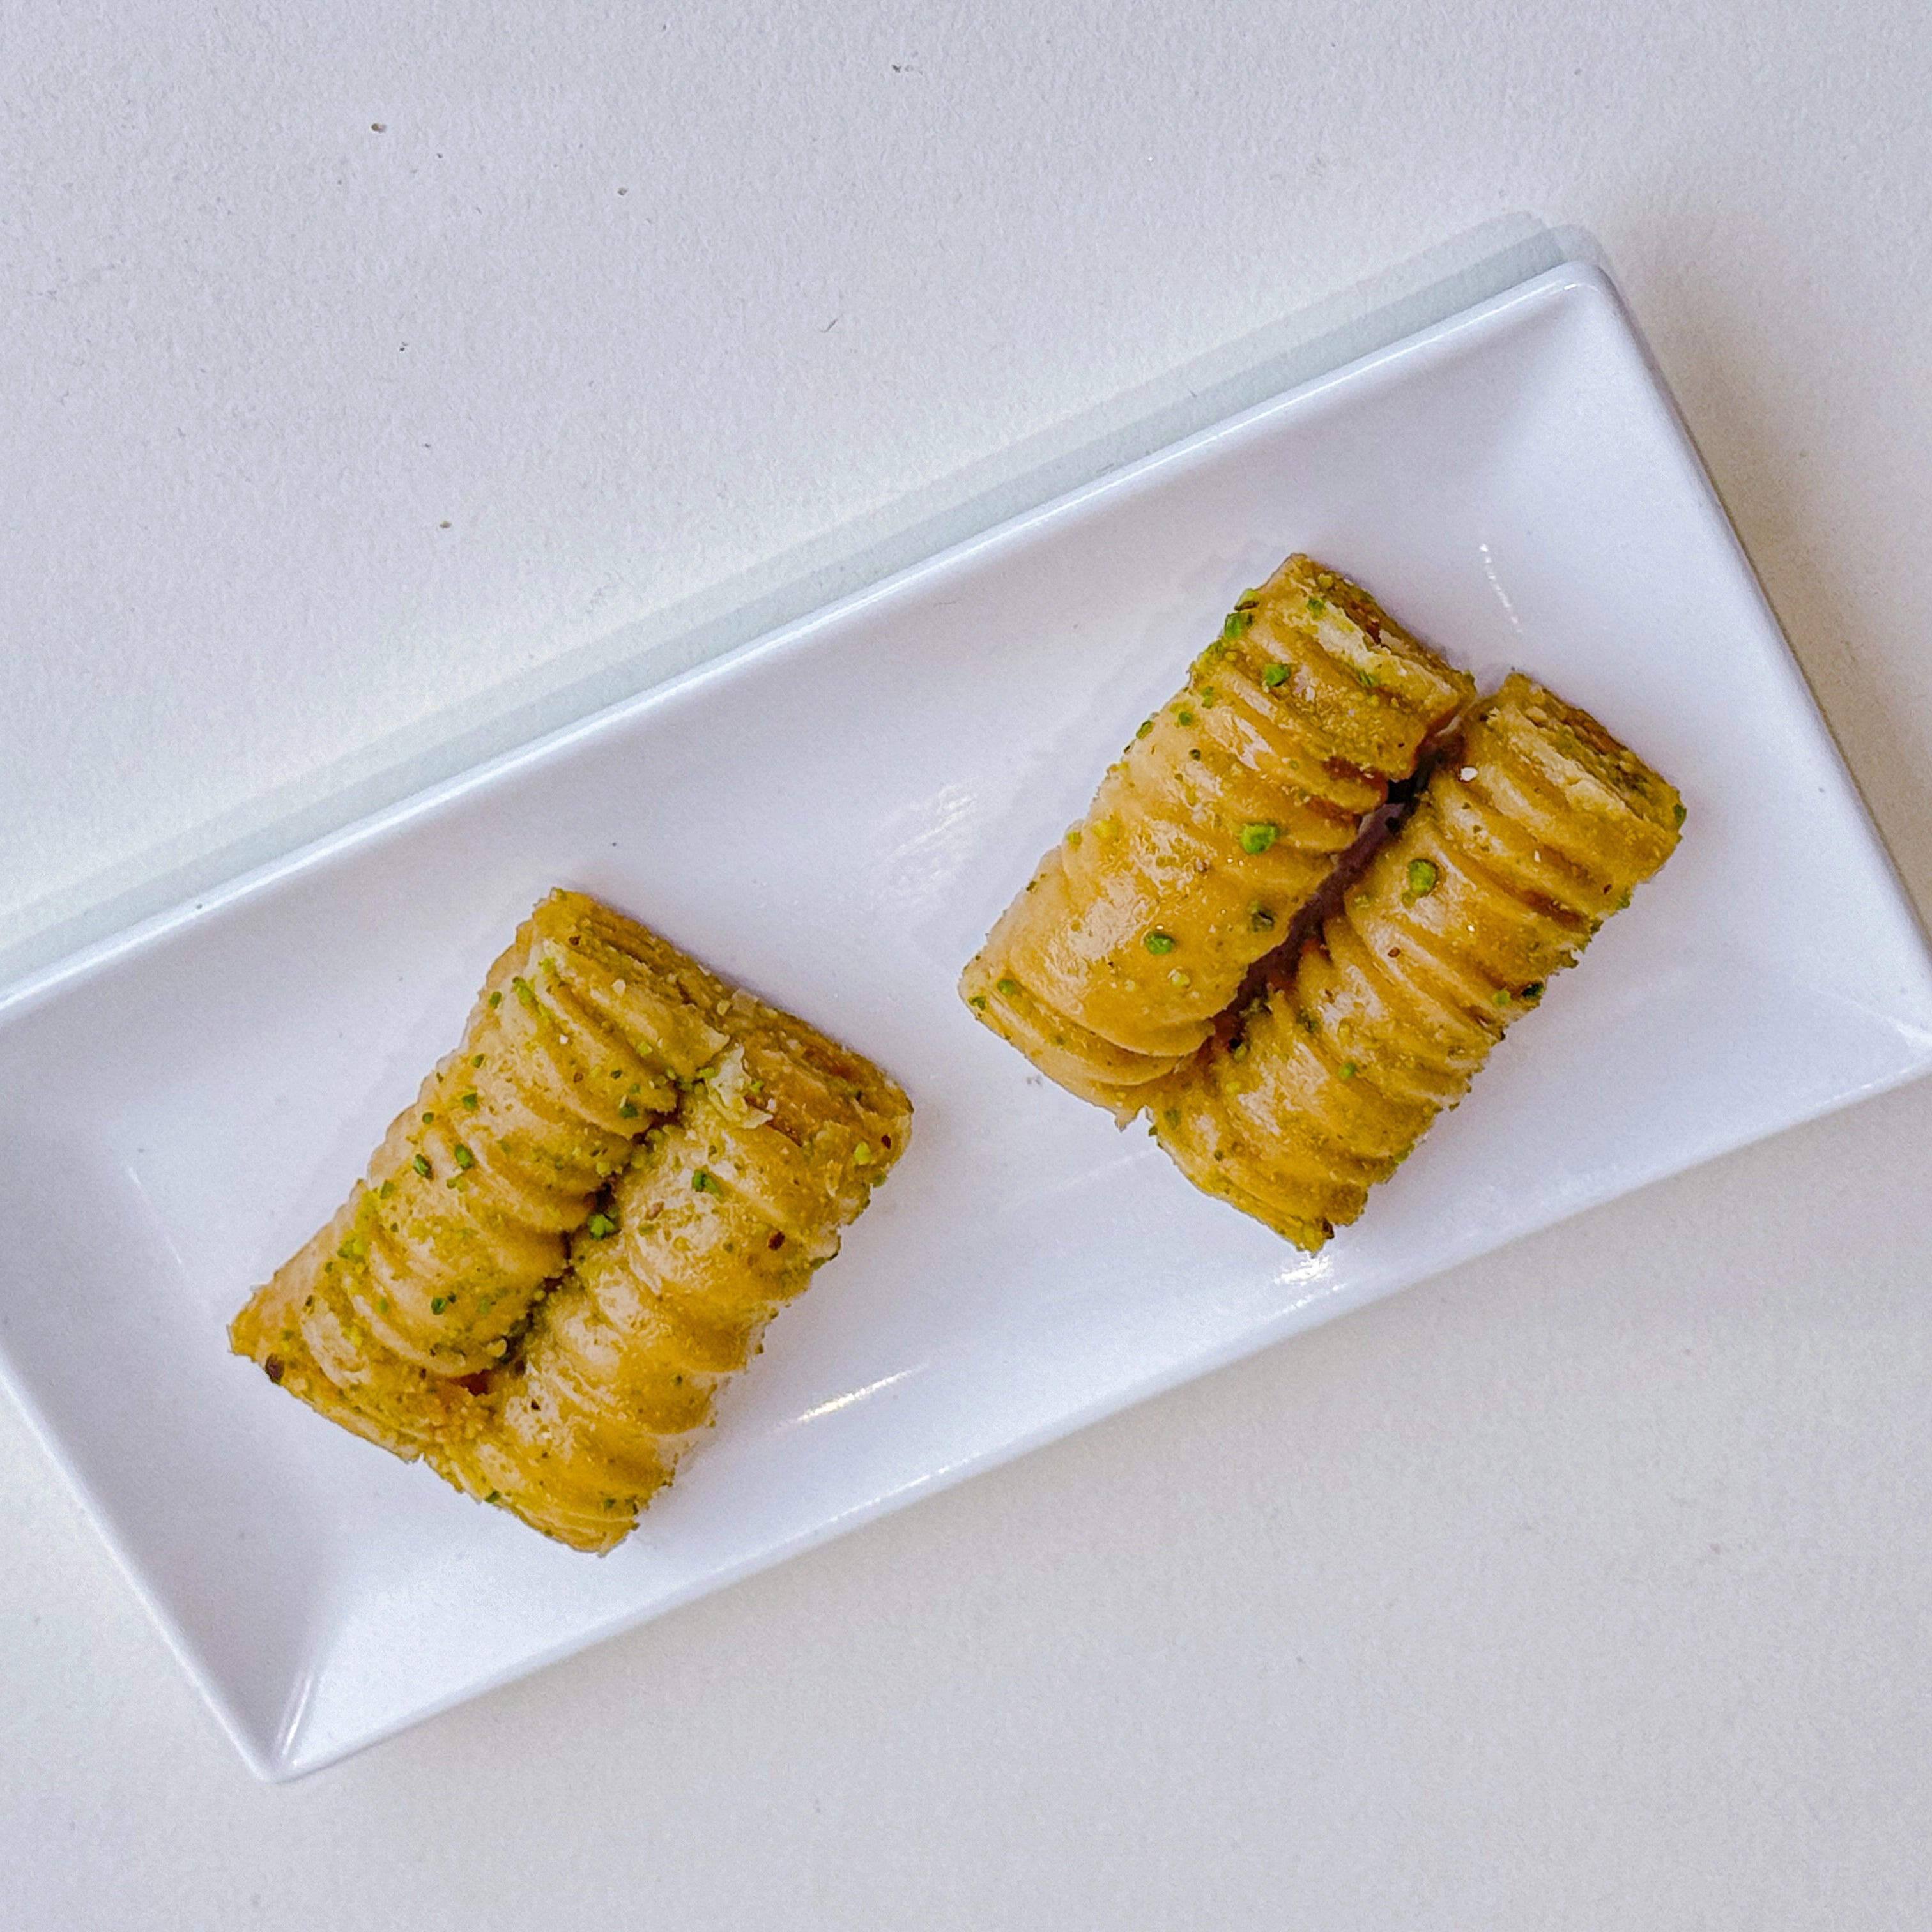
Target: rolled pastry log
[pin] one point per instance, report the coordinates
(585, 1032)
(1518, 849)
(720, 1220)
(1225, 814)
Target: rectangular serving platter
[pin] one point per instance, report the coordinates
(833, 816)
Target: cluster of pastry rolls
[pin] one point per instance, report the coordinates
(1229, 808)
(419, 1316)
(1524, 840)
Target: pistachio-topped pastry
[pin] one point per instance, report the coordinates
(1523, 843)
(1222, 817)
(724, 1217)
(612, 1184)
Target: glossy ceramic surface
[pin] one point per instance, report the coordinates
(833, 817)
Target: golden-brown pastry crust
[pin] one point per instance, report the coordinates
(1222, 817)
(721, 1219)
(600, 1197)
(1520, 846)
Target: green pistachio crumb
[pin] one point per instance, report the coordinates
(1367, 679)
(1348, 1070)
(427, 1118)
(1259, 837)
(862, 1154)
(470, 1101)
(1159, 942)
(627, 1110)
(1534, 991)
(1147, 725)
(464, 1158)
(602, 1226)
(1184, 716)
(977, 1001)
(437, 1304)
(1275, 674)
(496, 1000)
(1260, 919)
(526, 994)
(493, 1495)
(1677, 813)
(1502, 996)
(1422, 876)
(421, 1164)
(1238, 621)
(701, 1183)
(1171, 1115)
(1007, 986)
(1316, 607)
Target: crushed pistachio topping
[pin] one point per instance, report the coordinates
(977, 1001)
(627, 1110)
(1147, 725)
(1260, 919)
(701, 1183)
(525, 994)
(1275, 674)
(1422, 877)
(602, 1226)
(1007, 985)
(1238, 621)
(1348, 1070)
(1677, 813)
(1159, 942)
(496, 1000)
(1257, 837)
(437, 1303)
(1184, 716)
(1316, 606)
(862, 1154)
(421, 1164)
(464, 1158)
(470, 1101)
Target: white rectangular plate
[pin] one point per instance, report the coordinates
(834, 817)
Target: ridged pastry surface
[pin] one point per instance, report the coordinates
(1521, 845)
(723, 1218)
(581, 1226)
(1226, 811)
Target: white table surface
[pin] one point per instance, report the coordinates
(1586, 1586)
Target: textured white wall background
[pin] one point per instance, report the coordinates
(1585, 1587)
